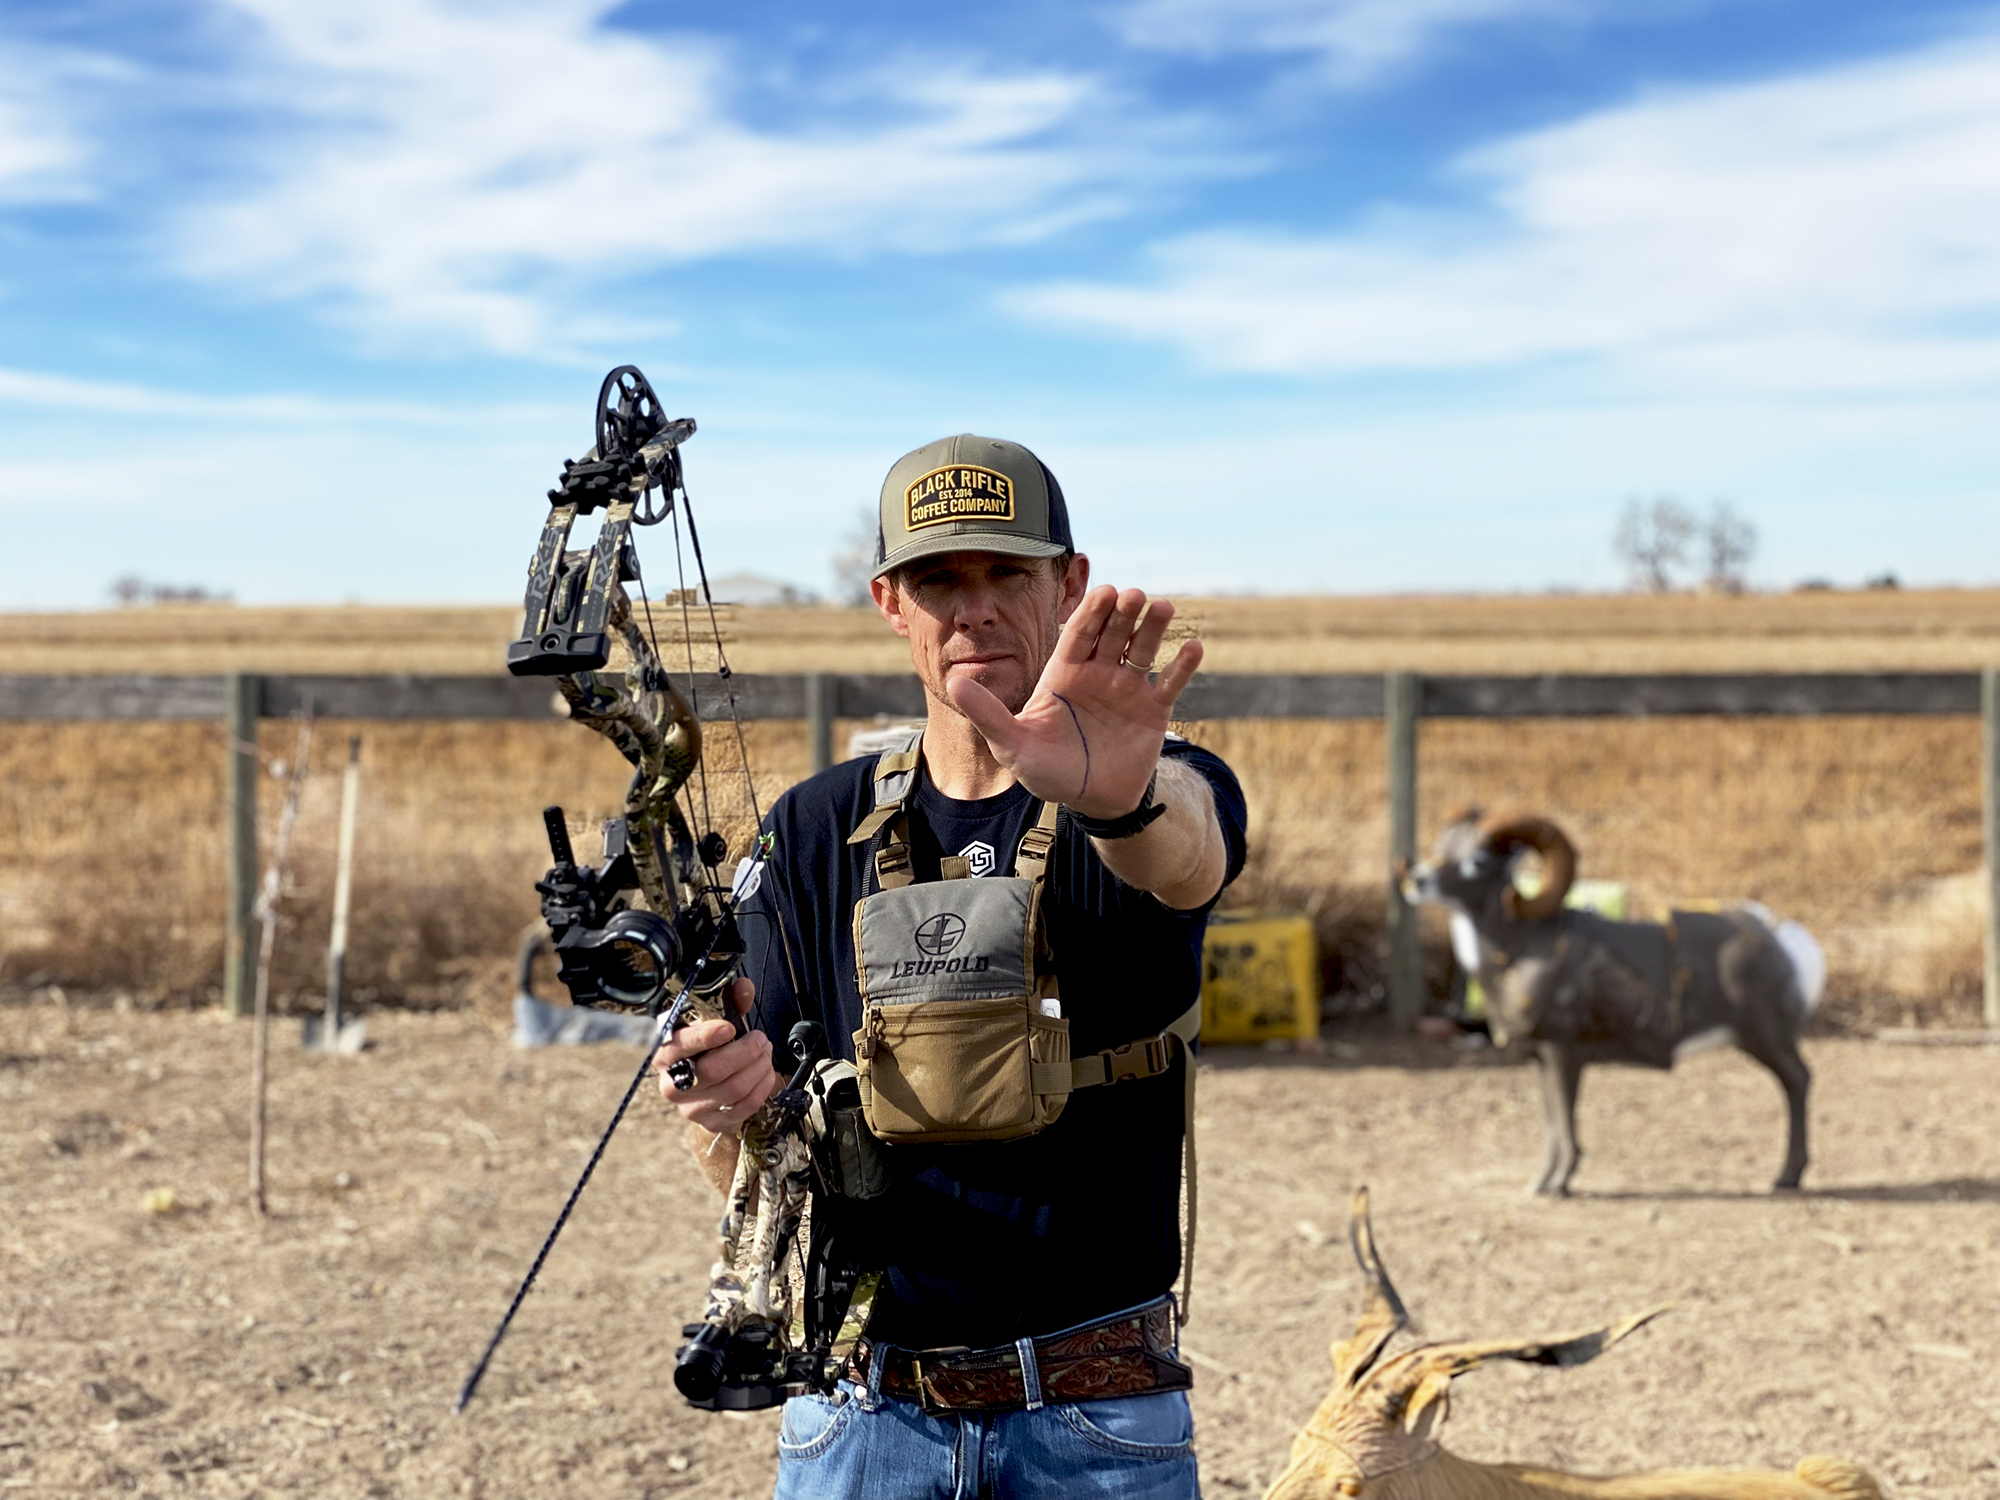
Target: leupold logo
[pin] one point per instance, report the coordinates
(940, 934)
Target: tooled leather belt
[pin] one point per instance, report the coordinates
(1131, 1354)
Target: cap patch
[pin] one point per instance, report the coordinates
(958, 492)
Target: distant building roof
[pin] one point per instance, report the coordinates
(754, 589)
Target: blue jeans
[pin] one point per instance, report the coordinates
(874, 1447)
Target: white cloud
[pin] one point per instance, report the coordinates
(1833, 232)
(469, 168)
(43, 156)
(1356, 40)
(42, 390)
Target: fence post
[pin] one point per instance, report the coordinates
(1989, 716)
(244, 704)
(1400, 694)
(819, 718)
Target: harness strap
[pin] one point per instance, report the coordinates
(895, 776)
(1146, 1058)
(873, 823)
(1031, 860)
(893, 868)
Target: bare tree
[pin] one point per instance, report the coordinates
(1730, 542)
(853, 561)
(1652, 541)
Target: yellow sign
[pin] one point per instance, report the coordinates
(1260, 979)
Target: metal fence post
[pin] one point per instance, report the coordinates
(1989, 717)
(1401, 692)
(243, 703)
(819, 718)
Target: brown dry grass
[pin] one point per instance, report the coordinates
(1866, 829)
(1933, 630)
(112, 859)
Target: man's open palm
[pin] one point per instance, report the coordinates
(1090, 734)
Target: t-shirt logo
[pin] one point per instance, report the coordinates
(940, 934)
(979, 856)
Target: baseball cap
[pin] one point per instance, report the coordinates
(970, 494)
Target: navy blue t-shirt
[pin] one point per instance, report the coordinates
(984, 1243)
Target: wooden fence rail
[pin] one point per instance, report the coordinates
(856, 696)
(1400, 699)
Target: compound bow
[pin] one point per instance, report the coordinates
(652, 928)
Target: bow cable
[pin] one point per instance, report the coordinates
(727, 679)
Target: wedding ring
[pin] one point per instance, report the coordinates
(1142, 671)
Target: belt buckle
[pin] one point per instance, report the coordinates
(1120, 1062)
(928, 1398)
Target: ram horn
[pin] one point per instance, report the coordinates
(1558, 855)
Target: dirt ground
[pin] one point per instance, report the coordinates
(200, 1352)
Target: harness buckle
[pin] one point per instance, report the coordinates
(1146, 1058)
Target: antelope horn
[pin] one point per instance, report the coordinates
(1413, 1387)
(1556, 851)
(1383, 1313)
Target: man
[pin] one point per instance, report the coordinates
(1001, 1260)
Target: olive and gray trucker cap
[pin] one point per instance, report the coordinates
(970, 494)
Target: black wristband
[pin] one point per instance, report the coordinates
(1143, 816)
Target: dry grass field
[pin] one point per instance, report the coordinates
(1886, 630)
(196, 1352)
(1866, 829)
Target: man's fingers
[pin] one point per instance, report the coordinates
(694, 1039)
(715, 1051)
(727, 1116)
(745, 1089)
(721, 1064)
(1179, 673)
(724, 1108)
(1144, 646)
(1079, 637)
(1127, 606)
(743, 995)
(988, 714)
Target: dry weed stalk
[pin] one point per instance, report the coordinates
(267, 916)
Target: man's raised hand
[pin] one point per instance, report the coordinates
(1091, 732)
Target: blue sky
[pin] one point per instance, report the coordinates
(307, 299)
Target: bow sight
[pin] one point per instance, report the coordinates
(652, 928)
(610, 954)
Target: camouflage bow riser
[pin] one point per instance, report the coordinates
(773, 1180)
(641, 712)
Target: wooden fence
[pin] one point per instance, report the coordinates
(1400, 699)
